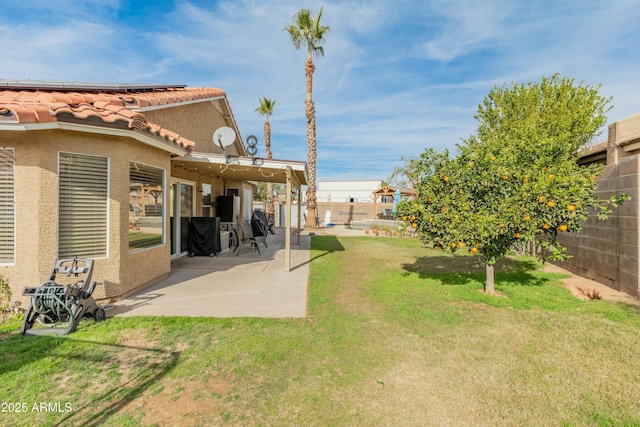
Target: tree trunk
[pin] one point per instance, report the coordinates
(270, 207)
(309, 68)
(311, 141)
(489, 285)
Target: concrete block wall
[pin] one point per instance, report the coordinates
(629, 226)
(345, 212)
(609, 251)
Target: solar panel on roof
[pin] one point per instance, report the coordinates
(84, 86)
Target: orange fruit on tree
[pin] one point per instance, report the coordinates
(550, 203)
(443, 209)
(461, 244)
(527, 217)
(550, 176)
(563, 227)
(438, 248)
(518, 235)
(571, 208)
(542, 199)
(446, 179)
(414, 225)
(413, 217)
(546, 226)
(505, 177)
(429, 199)
(473, 250)
(404, 218)
(493, 158)
(453, 245)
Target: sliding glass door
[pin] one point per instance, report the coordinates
(181, 210)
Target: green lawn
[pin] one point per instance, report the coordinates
(397, 335)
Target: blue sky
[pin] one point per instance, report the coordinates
(397, 76)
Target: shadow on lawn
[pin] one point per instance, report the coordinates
(108, 403)
(460, 269)
(151, 365)
(328, 244)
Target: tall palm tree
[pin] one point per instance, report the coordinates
(306, 31)
(266, 109)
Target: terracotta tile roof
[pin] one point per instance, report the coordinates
(116, 108)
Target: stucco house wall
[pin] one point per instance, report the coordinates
(198, 121)
(36, 172)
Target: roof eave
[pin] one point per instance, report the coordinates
(174, 104)
(138, 135)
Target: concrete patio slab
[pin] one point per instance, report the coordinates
(248, 285)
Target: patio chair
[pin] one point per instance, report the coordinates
(244, 236)
(249, 230)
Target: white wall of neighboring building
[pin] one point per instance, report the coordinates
(347, 190)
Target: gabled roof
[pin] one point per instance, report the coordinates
(388, 190)
(116, 106)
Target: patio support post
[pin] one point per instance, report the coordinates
(299, 211)
(287, 239)
(375, 212)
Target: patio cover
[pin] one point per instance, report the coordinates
(292, 173)
(387, 190)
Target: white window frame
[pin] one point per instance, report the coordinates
(9, 203)
(107, 206)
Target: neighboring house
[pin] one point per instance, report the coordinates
(349, 191)
(113, 173)
(609, 251)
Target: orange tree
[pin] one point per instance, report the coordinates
(517, 178)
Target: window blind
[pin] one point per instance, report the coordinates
(82, 205)
(7, 206)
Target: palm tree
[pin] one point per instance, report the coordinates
(307, 31)
(266, 109)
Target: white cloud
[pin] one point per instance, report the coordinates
(463, 27)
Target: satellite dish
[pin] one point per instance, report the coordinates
(224, 137)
